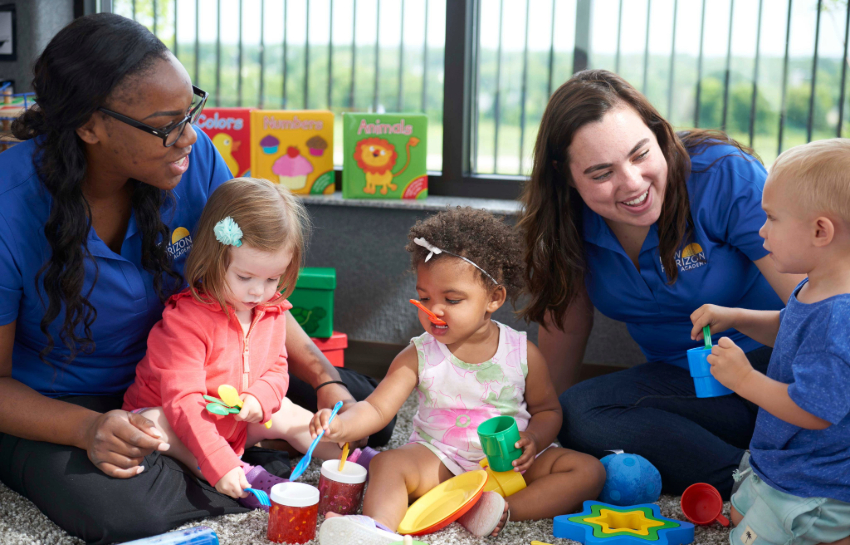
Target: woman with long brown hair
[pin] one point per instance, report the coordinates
(623, 215)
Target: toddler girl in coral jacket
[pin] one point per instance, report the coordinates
(229, 327)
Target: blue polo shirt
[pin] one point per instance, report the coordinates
(716, 267)
(812, 356)
(123, 295)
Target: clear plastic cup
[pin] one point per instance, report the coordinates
(293, 514)
(341, 491)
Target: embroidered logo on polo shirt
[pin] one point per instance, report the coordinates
(181, 243)
(690, 257)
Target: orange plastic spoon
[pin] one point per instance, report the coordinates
(431, 315)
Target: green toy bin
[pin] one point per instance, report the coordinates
(313, 301)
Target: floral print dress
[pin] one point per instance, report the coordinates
(455, 397)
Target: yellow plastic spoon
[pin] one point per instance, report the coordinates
(343, 457)
(230, 395)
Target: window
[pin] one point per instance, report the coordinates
(339, 55)
(771, 73)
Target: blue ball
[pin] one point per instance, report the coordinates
(631, 480)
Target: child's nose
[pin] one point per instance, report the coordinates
(255, 289)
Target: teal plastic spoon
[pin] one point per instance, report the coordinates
(222, 410)
(706, 333)
(305, 461)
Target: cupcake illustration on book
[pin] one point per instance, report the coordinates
(317, 146)
(269, 144)
(292, 169)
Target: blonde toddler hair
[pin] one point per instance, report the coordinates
(818, 175)
(270, 218)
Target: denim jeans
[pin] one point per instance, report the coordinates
(652, 410)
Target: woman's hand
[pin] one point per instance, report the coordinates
(719, 318)
(529, 452)
(118, 441)
(729, 364)
(251, 411)
(335, 431)
(233, 484)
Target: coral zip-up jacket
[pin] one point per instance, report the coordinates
(192, 351)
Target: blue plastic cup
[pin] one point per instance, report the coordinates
(705, 384)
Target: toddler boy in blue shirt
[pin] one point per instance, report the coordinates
(797, 490)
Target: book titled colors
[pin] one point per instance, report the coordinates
(230, 132)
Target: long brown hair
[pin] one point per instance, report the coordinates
(551, 219)
(270, 218)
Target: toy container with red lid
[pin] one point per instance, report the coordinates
(341, 491)
(293, 514)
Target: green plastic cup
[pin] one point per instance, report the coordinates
(498, 437)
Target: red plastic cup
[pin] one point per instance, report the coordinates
(702, 504)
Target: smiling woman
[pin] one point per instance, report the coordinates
(646, 225)
(97, 207)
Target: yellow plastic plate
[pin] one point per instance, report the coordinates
(444, 504)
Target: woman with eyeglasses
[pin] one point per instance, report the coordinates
(97, 206)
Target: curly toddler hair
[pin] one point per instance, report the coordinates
(478, 236)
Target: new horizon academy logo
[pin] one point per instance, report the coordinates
(690, 257)
(181, 243)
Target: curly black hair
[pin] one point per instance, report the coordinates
(479, 236)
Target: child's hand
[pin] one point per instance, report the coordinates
(729, 364)
(529, 452)
(319, 422)
(251, 409)
(233, 483)
(719, 318)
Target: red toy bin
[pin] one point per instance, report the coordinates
(334, 348)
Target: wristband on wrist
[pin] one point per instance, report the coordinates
(331, 382)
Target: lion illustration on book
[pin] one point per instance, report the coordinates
(377, 158)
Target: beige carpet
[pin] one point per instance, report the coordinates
(21, 522)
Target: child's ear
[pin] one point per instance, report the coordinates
(824, 231)
(497, 299)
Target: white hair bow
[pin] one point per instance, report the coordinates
(428, 246)
(434, 250)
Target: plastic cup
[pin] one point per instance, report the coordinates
(293, 514)
(503, 483)
(704, 383)
(702, 504)
(498, 437)
(341, 491)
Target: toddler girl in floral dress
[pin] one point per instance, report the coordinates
(467, 370)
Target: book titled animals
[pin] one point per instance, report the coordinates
(294, 148)
(384, 156)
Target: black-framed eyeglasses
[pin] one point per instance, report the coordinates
(171, 134)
